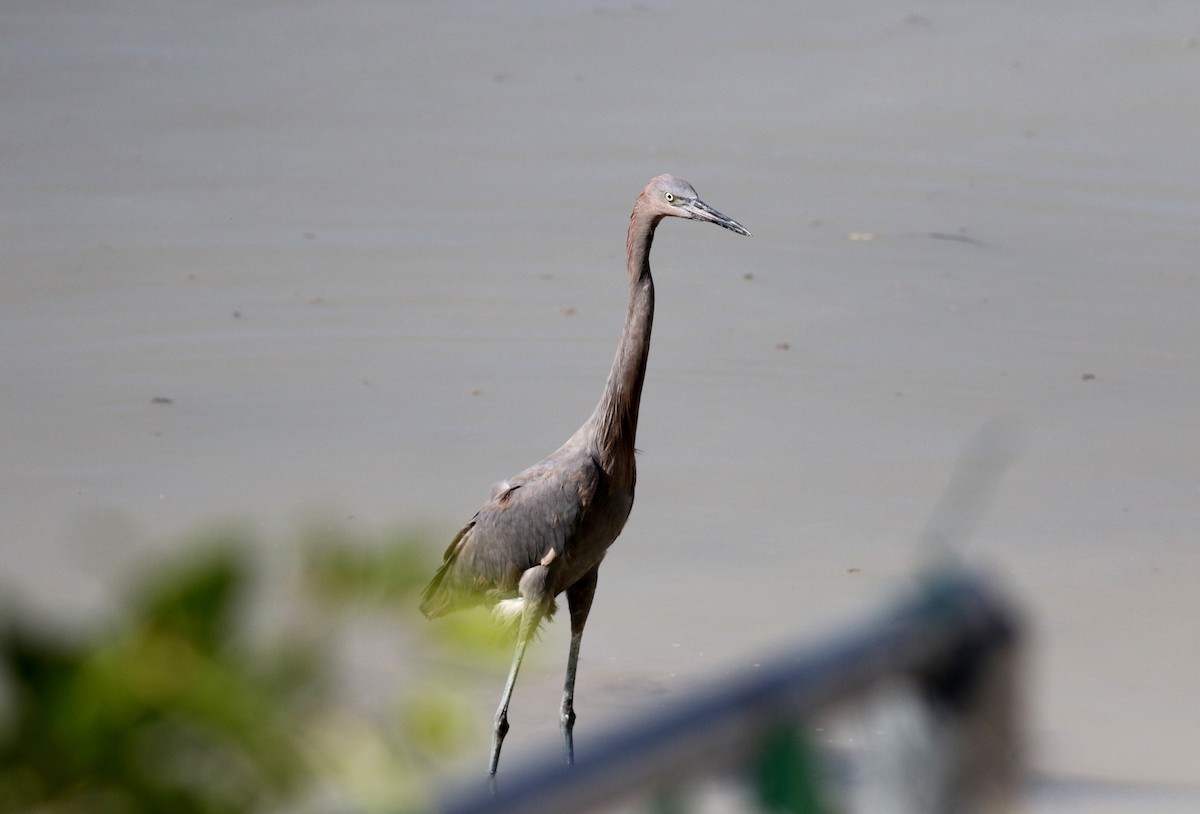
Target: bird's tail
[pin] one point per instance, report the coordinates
(438, 597)
(437, 600)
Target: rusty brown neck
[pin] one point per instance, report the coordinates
(614, 423)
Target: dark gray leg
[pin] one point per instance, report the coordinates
(579, 601)
(530, 618)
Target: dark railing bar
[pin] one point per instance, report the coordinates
(714, 729)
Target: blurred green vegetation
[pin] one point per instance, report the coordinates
(220, 684)
(215, 688)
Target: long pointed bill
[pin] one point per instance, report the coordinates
(699, 210)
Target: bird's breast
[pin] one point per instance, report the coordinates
(603, 524)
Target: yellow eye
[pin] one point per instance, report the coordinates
(670, 198)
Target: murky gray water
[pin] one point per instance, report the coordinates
(373, 255)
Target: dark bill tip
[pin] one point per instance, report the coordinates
(734, 226)
(703, 211)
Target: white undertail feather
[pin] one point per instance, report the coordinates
(508, 611)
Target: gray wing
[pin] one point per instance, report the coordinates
(526, 517)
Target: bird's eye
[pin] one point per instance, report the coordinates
(670, 197)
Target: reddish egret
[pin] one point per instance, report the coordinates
(545, 530)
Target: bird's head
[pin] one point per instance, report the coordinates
(668, 196)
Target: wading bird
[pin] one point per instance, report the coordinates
(545, 530)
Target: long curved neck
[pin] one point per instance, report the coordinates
(614, 422)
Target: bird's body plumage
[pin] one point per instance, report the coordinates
(549, 525)
(545, 531)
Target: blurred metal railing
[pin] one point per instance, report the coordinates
(952, 644)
